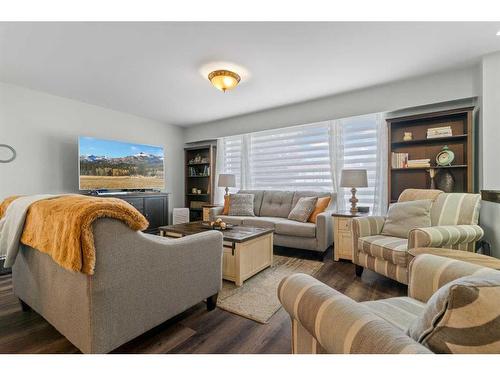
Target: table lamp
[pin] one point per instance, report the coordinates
(353, 178)
(227, 181)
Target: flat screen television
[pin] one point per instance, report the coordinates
(114, 165)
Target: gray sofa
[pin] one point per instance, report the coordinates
(271, 209)
(140, 281)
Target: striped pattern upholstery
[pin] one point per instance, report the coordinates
(324, 320)
(363, 227)
(455, 209)
(383, 267)
(454, 218)
(452, 307)
(366, 227)
(428, 273)
(418, 194)
(460, 237)
(463, 316)
(391, 249)
(400, 311)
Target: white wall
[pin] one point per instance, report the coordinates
(490, 151)
(491, 121)
(435, 88)
(44, 128)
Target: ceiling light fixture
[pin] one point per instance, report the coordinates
(224, 79)
(498, 33)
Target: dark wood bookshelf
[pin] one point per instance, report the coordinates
(195, 177)
(421, 147)
(431, 167)
(453, 138)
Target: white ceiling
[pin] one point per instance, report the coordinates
(153, 69)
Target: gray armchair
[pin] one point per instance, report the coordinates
(140, 281)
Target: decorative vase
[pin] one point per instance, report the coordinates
(432, 175)
(445, 181)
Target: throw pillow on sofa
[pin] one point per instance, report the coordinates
(405, 216)
(462, 316)
(321, 206)
(241, 205)
(303, 209)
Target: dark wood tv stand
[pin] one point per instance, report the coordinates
(153, 205)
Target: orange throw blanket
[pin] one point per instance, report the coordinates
(62, 227)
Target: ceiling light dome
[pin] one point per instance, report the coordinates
(224, 79)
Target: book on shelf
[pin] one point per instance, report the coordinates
(419, 163)
(399, 159)
(196, 172)
(443, 131)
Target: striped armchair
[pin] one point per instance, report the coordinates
(454, 218)
(327, 321)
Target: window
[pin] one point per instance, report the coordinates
(360, 151)
(298, 158)
(295, 158)
(232, 157)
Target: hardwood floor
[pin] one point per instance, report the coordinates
(194, 331)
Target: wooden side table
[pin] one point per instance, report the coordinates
(342, 234)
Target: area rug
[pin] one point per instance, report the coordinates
(257, 298)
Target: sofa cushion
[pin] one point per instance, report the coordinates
(391, 249)
(456, 209)
(308, 193)
(295, 228)
(399, 311)
(405, 216)
(262, 221)
(235, 220)
(276, 203)
(241, 205)
(462, 316)
(321, 205)
(257, 199)
(303, 209)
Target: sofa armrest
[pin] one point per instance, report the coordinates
(428, 273)
(324, 230)
(367, 226)
(324, 319)
(445, 236)
(362, 227)
(215, 211)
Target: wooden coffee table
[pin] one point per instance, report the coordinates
(247, 250)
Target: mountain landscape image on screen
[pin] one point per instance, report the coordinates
(119, 165)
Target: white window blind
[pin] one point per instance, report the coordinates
(298, 158)
(232, 157)
(360, 151)
(295, 158)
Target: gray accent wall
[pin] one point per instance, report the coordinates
(44, 130)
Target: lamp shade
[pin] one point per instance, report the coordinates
(226, 180)
(353, 178)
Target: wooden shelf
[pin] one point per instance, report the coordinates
(414, 142)
(460, 121)
(431, 167)
(200, 176)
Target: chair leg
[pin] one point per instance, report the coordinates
(24, 306)
(359, 271)
(212, 302)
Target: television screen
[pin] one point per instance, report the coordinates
(106, 164)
